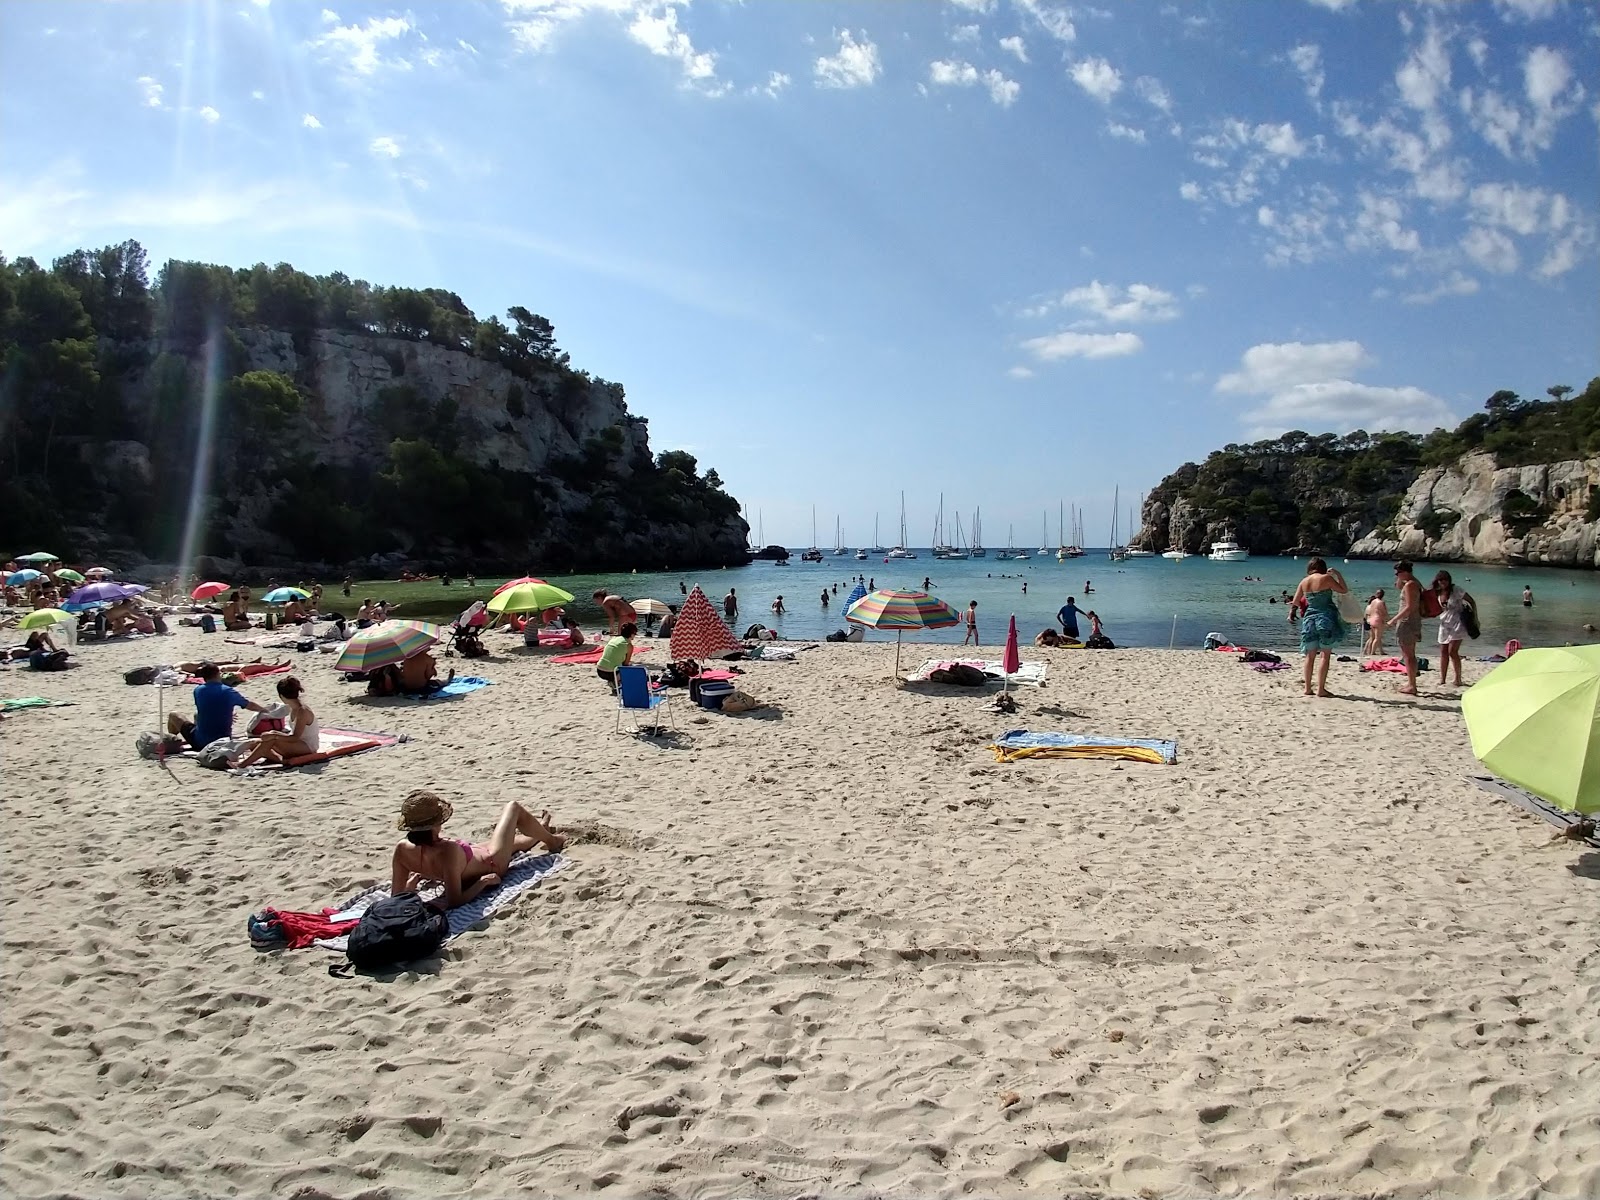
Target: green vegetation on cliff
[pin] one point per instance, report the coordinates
(1323, 491)
(104, 420)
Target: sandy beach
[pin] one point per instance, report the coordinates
(831, 948)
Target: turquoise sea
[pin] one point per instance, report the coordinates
(1138, 600)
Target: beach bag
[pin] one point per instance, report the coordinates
(394, 930)
(740, 702)
(1430, 603)
(1469, 617)
(1255, 656)
(208, 624)
(155, 745)
(140, 676)
(1351, 610)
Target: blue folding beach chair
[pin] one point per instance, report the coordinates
(634, 695)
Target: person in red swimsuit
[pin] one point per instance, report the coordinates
(464, 868)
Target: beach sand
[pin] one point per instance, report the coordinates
(831, 949)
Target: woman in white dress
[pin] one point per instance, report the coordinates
(1452, 624)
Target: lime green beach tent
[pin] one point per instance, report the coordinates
(1535, 722)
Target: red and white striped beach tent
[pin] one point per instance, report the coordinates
(699, 632)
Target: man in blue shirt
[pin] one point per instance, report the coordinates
(1068, 616)
(214, 702)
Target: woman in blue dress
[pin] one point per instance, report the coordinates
(1321, 628)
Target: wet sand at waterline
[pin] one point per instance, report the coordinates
(831, 948)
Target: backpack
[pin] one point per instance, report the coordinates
(1469, 617)
(394, 930)
(140, 676)
(208, 624)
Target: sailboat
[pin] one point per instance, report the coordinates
(977, 534)
(940, 548)
(813, 554)
(1116, 553)
(1133, 531)
(877, 546)
(1074, 548)
(1011, 550)
(900, 550)
(1044, 533)
(955, 550)
(838, 540)
(1061, 534)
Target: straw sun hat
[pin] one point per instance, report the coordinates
(423, 810)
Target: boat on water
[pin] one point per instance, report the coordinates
(877, 546)
(861, 556)
(976, 549)
(813, 554)
(1044, 534)
(941, 548)
(1011, 551)
(900, 551)
(838, 540)
(1135, 552)
(1174, 554)
(1228, 552)
(1074, 548)
(1117, 553)
(955, 549)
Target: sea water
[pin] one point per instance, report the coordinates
(1141, 601)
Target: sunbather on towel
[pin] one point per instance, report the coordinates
(464, 868)
(244, 670)
(302, 737)
(419, 674)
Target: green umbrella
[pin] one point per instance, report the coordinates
(43, 618)
(38, 556)
(529, 597)
(69, 573)
(1535, 722)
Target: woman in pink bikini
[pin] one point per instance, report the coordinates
(464, 868)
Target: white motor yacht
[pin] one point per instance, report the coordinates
(1228, 552)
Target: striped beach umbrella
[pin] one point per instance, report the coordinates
(528, 597)
(900, 611)
(386, 643)
(699, 632)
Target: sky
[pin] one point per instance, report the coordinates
(1017, 252)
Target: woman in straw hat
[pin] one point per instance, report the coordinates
(464, 868)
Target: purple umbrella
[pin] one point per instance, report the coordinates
(93, 595)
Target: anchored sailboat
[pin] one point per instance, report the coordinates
(813, 554)
(838, 540)
(977, 534)
(900, 550)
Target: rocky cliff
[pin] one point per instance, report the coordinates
(1474, 511)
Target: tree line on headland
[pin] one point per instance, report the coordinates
(105, 424)
(1306, 491)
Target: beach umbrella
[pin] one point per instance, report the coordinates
(100, 573)
(38, 556)
(207, 590)
(699, 632)
(649, 608)
(856, 593)
(386, 643)
(900, 611)
(69, 575)
(1535, 722)
(95, 595)
(528, 597)
(511, 583)
(1011, 660)
(42, 618)
(25, 576)
(285, 594)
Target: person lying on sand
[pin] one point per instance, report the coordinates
(242, 669)
(465, 869)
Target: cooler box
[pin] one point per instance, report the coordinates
(713, 692)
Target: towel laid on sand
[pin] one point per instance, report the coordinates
(527, 870)
(1396, 665)
(459, 686)
(23, 702)
(1265, 666)
(593, 656)
(333, 743)
(1021, 743)
(1031, 672)
(1528, 802)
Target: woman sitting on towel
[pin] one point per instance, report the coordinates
(465, 869)
(300, 738)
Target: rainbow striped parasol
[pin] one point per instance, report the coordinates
(901, 611)
(386, 643)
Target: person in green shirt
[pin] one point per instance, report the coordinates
(618, 653)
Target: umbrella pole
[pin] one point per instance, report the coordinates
(898, 634)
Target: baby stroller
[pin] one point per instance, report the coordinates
(465, 634)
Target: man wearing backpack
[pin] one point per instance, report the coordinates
(214, 702)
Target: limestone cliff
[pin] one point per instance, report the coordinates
(1474, 511)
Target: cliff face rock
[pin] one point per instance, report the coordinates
(1474, 511)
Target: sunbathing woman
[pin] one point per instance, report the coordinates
(301, 738)
(244, 670)
(465, 869)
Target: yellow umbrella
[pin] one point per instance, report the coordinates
(43, 618)
(1535, 721)
(529, 597)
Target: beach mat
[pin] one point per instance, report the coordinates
(23, 702)
(592, 656)
(340, 743)
(1017, 744)
(527, 871)
(461, 685)
(1031, 673)
(1528, 802)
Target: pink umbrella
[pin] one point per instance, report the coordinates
(207, 590)
(511, 583)
(1011, 660)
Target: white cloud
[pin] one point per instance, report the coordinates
(210, 115)
(776, 82)
(1564, 254)
(1127, 132)
(1491, 249)
(150, 91)
(258, 94)
(1511, 206)
(1545, 76)
(1307, 59)
(1334, 5)
(1057, 22)
(1020, 372)
(1273, 366)
(1015, 45)
(357, 48)
(855, 65)
(1279, 140)
(1381, 225)
(1069, 344)
(1002, 91)
(964, 33)
(533, 23)
(1189, 190)
(1530, 10)
(1097, 77)
(1122, 305)
(657, 31)
(977, 6)
(1425, 75)
(310, 122)
(1456, 284)
(385, 147)
(1152, 93)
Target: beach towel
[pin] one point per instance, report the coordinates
(1272, 666)
(1528, 802)
(459, 686)
(23, 702)
(527, 870)
(1030, 672)
(333, 743)
(1020, 743)
(593, 656)
(1396, 665)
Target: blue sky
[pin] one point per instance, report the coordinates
(1014, 250)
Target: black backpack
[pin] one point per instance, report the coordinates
(397, 929)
